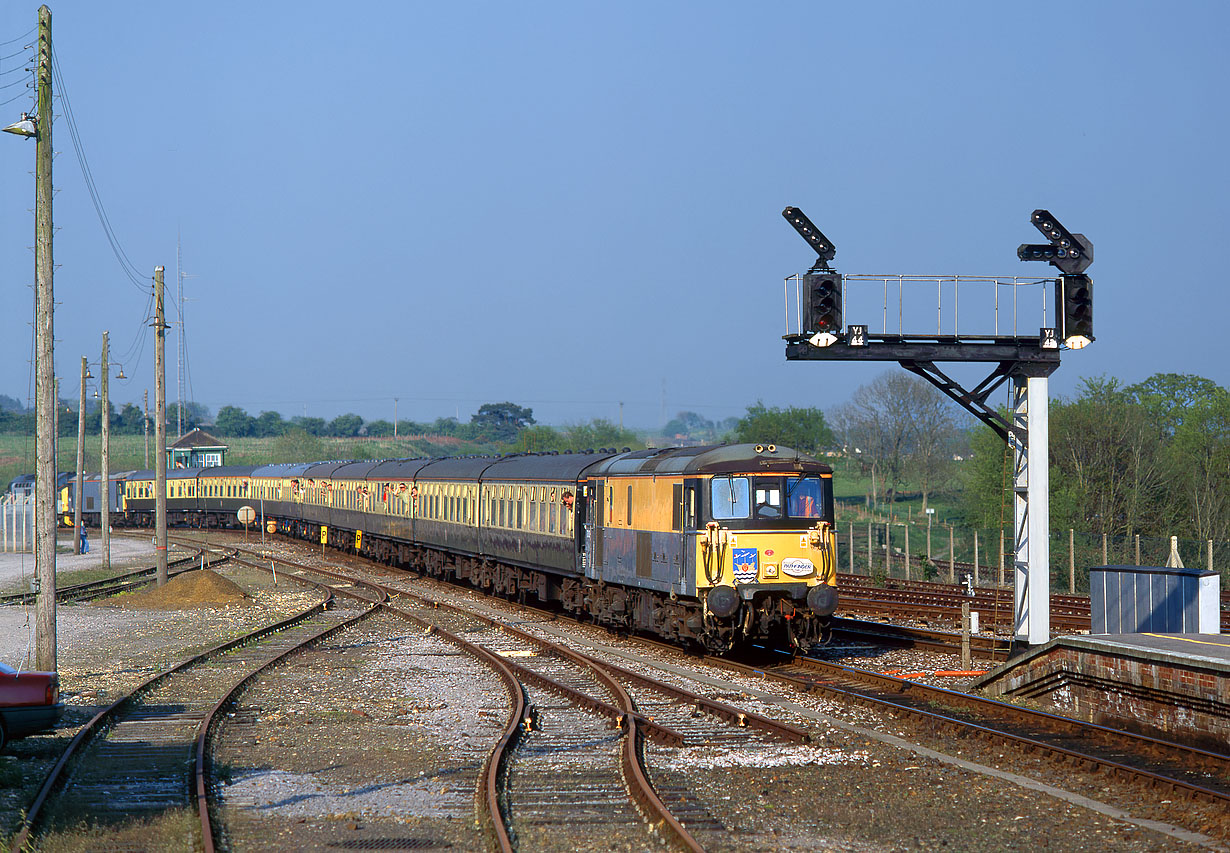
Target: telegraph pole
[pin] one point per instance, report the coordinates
(44, 343)
(145, 420)
(104, 490)
(160, 427)
(80, 461)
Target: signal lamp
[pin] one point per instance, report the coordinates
(1070, 253)
(1074, 310)
(815, 238)
(823, 307)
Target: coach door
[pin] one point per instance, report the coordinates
(594, 523)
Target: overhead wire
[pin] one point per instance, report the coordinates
(25, 35)
(130, 269)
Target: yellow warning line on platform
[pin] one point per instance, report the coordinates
(1187, 640)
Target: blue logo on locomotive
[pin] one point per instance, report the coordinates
(746, 563)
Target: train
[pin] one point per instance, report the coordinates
(716, 546)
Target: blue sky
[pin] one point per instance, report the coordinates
(570, 205)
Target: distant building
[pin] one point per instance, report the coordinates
(197, 449)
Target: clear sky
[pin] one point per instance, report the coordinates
(569, 205)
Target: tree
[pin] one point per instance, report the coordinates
(312, 426)
(380, 428)
(10, 404)
(689, 425)
(987, 480)
(1108, 472)
(131, 420)
(798, 428)
(297, 445)
(270, 424)
(899, 426)
(195, 414)
(501, 421)
(234, 422)
(347, 425)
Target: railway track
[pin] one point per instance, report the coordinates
(1199, 776)
(129, 760)
(941, 603)
(122, 582)
(573, 747)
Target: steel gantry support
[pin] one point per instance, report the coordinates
(1028, 429)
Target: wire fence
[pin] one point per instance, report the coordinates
(911, 549)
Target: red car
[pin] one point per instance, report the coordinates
(29, 702)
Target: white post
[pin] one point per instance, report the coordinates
(1030, 483)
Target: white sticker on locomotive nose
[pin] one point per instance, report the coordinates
(797, 567)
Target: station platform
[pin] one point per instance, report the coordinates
(1171, 686)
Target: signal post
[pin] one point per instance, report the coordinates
(816, 331)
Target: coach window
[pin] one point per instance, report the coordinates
(730, 497)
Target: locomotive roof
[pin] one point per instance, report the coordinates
(713, 459)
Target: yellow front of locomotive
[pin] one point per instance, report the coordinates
(766, 566)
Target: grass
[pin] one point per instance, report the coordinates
(171, 830)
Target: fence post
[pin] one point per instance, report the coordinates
(1137, 549)
(907, 550)
(869, 564)
(851, 547)
(1105, 557)
(888, 548)
(975, 556)
(952, 558)
(1210, 544)
(1071, 561)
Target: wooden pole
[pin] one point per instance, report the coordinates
(1137, 538)
(160, 427)
(80, 463)
(1105, 557)
(44, 357)
(145, 421)
(104, 486)
(851, 547)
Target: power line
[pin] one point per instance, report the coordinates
(26, 35)
(120, 255)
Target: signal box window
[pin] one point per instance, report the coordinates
(729, 497)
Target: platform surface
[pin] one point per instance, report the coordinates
(1212, 650)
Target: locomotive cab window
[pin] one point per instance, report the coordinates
(804, 497)
(768, 498)
(730, 497)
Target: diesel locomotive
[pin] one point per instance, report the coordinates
(716, 546)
